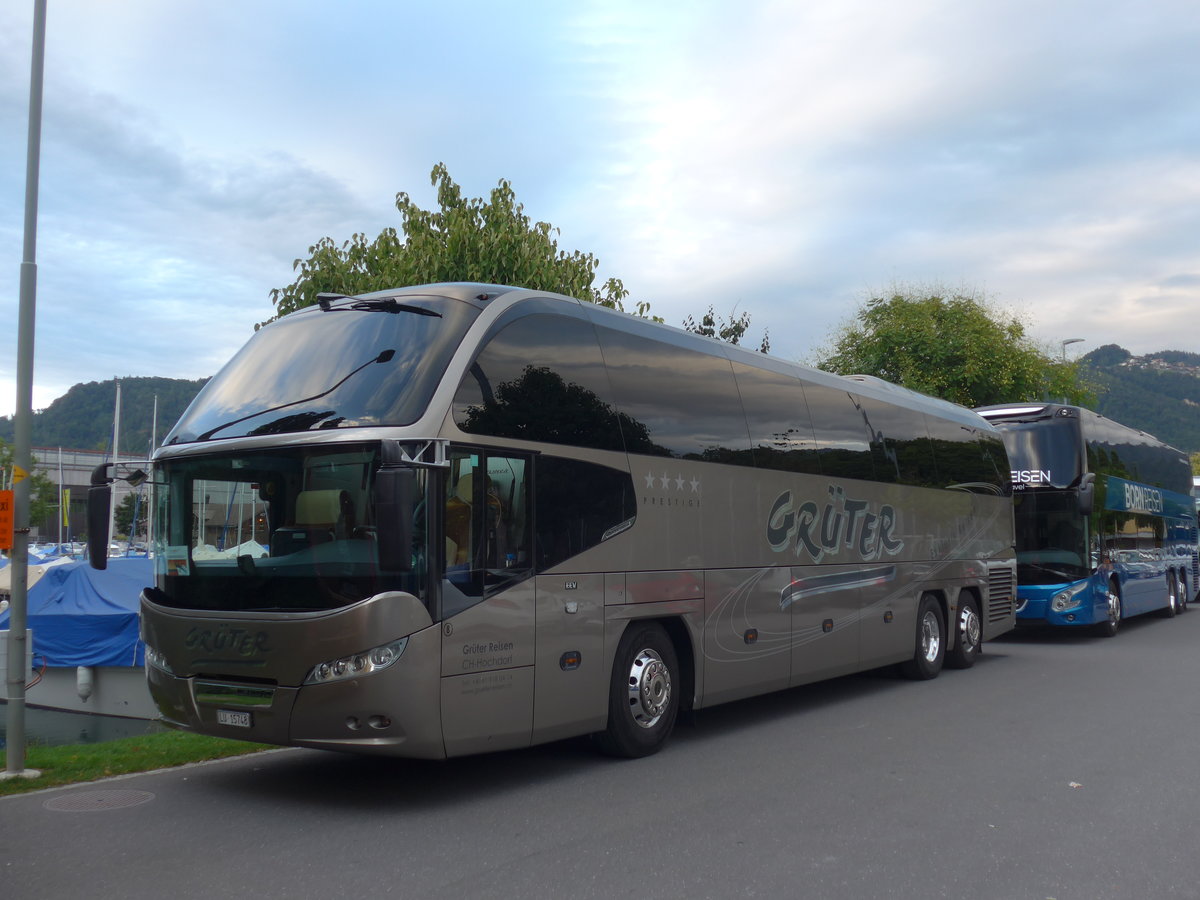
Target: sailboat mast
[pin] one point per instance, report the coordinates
(112, 500)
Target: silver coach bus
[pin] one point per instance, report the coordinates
(459, 518)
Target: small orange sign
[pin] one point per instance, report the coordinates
(6, 520)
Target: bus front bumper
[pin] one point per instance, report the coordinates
(1035, 606)
(393, 713)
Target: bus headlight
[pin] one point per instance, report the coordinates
(155, 660)
(357, 665)
(1069, 598)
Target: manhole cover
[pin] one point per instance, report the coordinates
(82, 801)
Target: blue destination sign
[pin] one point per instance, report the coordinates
(1134, 497)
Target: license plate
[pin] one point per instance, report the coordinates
(233, 717)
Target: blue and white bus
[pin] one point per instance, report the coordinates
(1106, 526)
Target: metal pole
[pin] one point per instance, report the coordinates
(23, 420)
(112, 500)
(61, 512)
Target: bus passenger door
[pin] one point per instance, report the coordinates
(487, 604)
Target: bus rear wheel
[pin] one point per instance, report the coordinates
(643, 693)
(930, 650)
(968, 638)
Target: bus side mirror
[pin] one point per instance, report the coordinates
(99, 502)
(395, 489)
(1086, 493)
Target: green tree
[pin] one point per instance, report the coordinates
(732, 331)
(477, 240)
(43, 495)
(952, 345)
(130, 506)
(1196, 463)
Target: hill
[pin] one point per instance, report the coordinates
(82, 419)
(1158, 393)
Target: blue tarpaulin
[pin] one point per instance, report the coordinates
(82, 616)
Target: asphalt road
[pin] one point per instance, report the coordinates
(1059, 767)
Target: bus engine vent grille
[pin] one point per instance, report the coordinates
(1000, 593)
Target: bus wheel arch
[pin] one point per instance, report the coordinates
(685, 654)
(929, 652)
(966, 631)
(645, 691)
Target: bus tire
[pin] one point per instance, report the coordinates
(1181, 591)
(643, 697)
(930, 651)
(968, 637)
(1109, 627)
(1172, 608)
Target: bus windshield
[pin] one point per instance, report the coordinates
(284, 530)
(1051, 538)
(341, 367)
(1045, 452)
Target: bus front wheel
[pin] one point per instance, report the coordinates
(968, 639)
(930, 650)
(643, 693)
(1108, 628)
(1172, 608)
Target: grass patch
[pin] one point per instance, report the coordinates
(75, 763)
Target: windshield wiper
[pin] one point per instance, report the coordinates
(384, 356)
(373, 304)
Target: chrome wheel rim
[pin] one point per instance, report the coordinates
(931, 637)
(649, 688)
(1172, 594)
(1114, 607)
(970, 629)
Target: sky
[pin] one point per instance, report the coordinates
(785, 159)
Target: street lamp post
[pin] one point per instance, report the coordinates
(23, 422)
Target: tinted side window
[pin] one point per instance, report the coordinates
(843, 442)
(541, 378)
(1117, 451)
(994, 466)
(968, 456)
(577, 505)
(675, 401)
(780, 429)
(900, 446)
